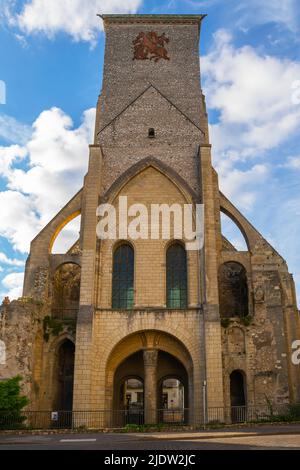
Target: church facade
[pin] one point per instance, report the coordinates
(147, 326)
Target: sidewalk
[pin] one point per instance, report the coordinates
(262, 430)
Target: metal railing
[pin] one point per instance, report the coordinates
(103, 419)
(246, 414)
(100, 419)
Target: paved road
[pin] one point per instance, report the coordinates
(283, 437)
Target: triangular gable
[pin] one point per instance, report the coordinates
(138, 98)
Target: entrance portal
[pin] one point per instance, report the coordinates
(64, 382)
(172, 390)
(238, 397)
(142, 380)
(129, 391)
(65, 376)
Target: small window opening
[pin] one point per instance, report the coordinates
(151, 133)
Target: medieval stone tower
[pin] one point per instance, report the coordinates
(146, 324)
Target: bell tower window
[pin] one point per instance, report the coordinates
(151, 133)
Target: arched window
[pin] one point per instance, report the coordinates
(233, 290)
(176, 277)
(123, 278)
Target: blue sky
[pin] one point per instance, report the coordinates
(51, 63)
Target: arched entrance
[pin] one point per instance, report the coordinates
(173, 390)
(64, 376)
(151, 386)
(238, 397)
(129, 391)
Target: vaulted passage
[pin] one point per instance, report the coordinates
(129, 391)
(172, 390)
(151, 386)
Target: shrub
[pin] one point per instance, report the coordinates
(247, 320)
(11, 404)
(294, 411)
(225, 322)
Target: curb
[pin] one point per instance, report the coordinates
(211, 433)
(220, 436)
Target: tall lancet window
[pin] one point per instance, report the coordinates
(123, 277)
(176, 277)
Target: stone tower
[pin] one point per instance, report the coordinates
(145, 324)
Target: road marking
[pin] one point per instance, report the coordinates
(78, 440)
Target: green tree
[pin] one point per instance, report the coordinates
(11, 403)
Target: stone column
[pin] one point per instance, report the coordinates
(212, 324)
(83, 396)
(150, 385)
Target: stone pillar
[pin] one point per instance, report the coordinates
(150, 385)
(83, 397)
(212, 324)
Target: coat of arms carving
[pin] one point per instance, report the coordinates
(150, 46)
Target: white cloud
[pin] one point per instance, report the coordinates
(58, 158)
(293, 163)
(12, 286)
(19, 222)
(247, 13)
(284, 12)
(242, 185)
(8, 156)
(252, 94)
(78, 18)
(12, 130)
(10, 262)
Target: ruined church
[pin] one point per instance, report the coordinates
(145, 330)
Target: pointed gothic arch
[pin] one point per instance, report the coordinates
(187, 192)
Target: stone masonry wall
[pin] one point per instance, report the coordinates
(124, 78)
(125, 141)
(19, 323)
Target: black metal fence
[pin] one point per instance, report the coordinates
(89, 419)
(247, 414)
(103, 419)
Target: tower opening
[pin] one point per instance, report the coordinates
(151, 133)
